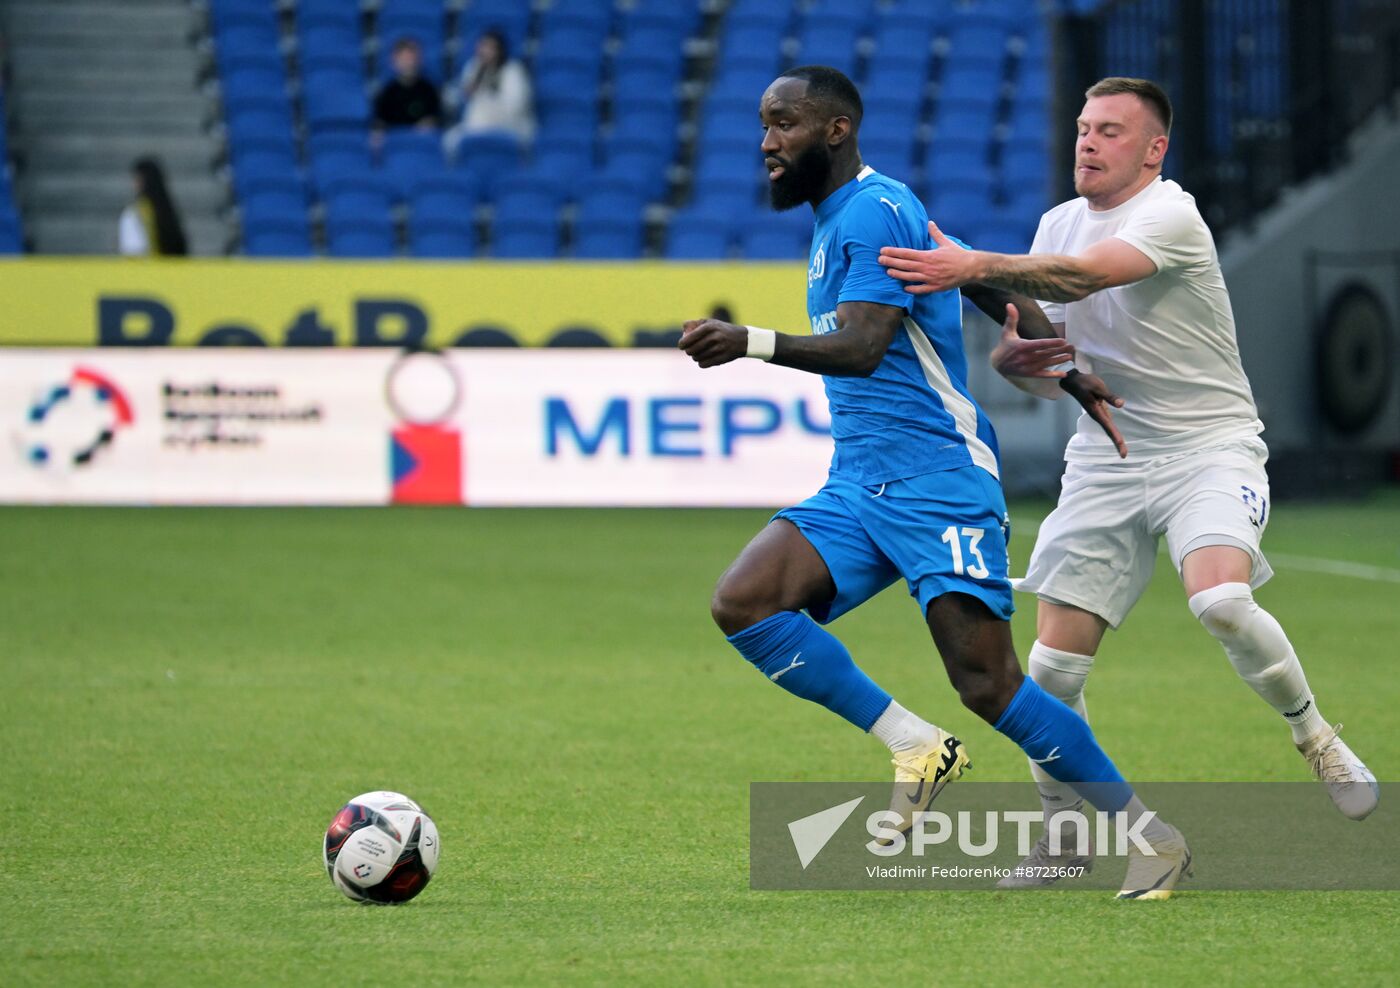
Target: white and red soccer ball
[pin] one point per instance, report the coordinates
(381, 847)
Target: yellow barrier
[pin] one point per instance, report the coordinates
(237, 302)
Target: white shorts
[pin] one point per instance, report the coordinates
(1098, 548)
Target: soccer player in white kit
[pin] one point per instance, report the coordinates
(1128, 274)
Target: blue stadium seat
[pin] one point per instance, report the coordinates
(439, 237)
(555, 167)
(330, 166)
(901, 41)
(593, 16)
(771, 13)
(258, 206)
(641, 170)
(335, 100)
(359, 236)
(1003, 236)
(1027, 203)
(696, 235)
(959, 206)
(488, 157)
(754, 46)
(767, 242)
(240, 103)
(536, 240)
(443, 195)
(957, 163)
(893, 155)
(964, 123)
(648, 129)
(266, 170)
(892, 110)
(571, 48)
(969, 81)
(224, 14)
(328, 13)
(608, 224)
(1025, 166)
(729, 169)
(408, 154)
(263, 59)
(566, 83)
(366, 195)
(268, 81)
(290, 240)
(852, 16)
(977, 43)
(247, 40)
(652, 46)
(679, 17)
(609, 243)
(903, 78)
(322, 46)
(260, 125)
(656, 81)
(823, 43)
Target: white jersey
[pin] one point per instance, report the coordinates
(1165, 344)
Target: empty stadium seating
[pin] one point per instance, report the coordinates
(639, 119)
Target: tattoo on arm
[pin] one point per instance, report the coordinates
(1052, 277)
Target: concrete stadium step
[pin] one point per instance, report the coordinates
(53, 75)
(184, 159)
(74, 234)
(34, 58)
(80, 151)
(105, 193)
(137, 26)
(132, 105)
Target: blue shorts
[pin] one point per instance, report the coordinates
(943, 532)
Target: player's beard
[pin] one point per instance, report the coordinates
(803, 178)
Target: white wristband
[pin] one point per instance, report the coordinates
(1067, 366)
(762, 343)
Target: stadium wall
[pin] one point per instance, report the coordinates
(1284, 275)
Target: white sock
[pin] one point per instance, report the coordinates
(1261, 654)
(1154, 829)
(1062, 675)
(903, 730)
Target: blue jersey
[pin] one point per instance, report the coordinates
(914, 415)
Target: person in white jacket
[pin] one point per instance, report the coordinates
(494, 93)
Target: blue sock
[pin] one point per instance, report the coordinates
(794, 651)
(1060, 741)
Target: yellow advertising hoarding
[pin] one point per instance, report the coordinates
(240, 302)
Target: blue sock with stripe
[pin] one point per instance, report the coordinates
(795, 652)
(1060, 741)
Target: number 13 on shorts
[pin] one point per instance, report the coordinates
(954, 537)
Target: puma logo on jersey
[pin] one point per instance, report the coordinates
(893, 205)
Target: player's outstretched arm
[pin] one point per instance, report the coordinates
(863, 333)
(1052, 277)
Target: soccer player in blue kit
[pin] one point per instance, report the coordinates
(913, 490)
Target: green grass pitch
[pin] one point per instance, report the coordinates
(189, 695)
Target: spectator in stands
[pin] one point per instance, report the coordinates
(408, 99)
(150, 225)
(494, 90)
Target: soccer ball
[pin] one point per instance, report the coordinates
(381, 847)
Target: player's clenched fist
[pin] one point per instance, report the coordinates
(710, 342)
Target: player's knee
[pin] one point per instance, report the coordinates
(735, 607)
(1061, 674)
(985, 696)
(1225, 610)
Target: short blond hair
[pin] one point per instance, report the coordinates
(1144, 89)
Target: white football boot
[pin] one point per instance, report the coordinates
(1349, 782)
